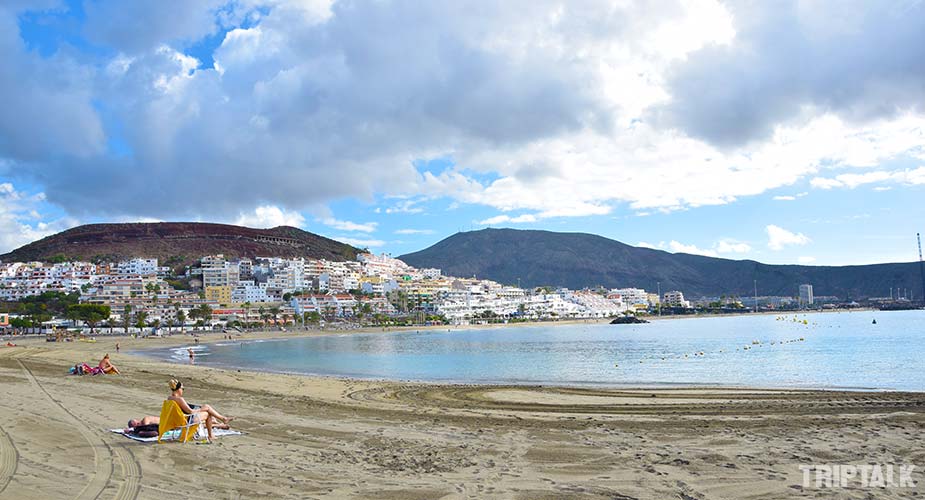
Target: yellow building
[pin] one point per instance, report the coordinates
(219, 294)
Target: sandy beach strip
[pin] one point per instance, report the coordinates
(310, 437)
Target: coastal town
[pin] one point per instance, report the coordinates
(140, 294)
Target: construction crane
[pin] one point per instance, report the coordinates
(921, 265)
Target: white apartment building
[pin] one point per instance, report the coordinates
(141, 267)
(250, 292)
(675, 298)
(431, 273)
(631, 296)
(216, 271)
(806, 295)
(381, 265)
(287, 274)
(245, 268)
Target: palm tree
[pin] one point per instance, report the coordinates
(247, 312)
(205, 312)
(176, 313)
(263, 316)
(275, 312)
(126, 317)
(140, 318)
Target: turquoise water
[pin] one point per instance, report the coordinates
(839, 350)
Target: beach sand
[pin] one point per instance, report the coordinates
(308, 437)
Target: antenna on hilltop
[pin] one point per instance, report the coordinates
(921, 266)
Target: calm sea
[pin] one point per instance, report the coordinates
(837, 350)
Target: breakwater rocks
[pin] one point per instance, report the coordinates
(627, 320)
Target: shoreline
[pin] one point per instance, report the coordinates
(339, 438)
(167, 343)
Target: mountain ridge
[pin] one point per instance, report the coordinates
(178, 243)
(578, 260)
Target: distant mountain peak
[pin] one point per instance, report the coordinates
(578, 260)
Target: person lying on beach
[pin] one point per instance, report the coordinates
(197, 413)
(149, 420)
(107, 366)
(85, 369)
(147, 426)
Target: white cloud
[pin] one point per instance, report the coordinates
(851, 181)
(304, 106)
(405, 207)
(648, 168)
(732, 246)
(678, 247)
(345, 225)
(784, 198)
(503, 219)
(414, 231)
(268, 216)
(130, 219)
(20, 221)
(720, 247)
(806, 260)
(779, 237)
(360, 242)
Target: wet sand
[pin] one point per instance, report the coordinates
(309, 437)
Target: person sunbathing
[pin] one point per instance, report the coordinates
(107, 366)
(197, 413)
(144, 421)
(85, 369)
(148, 420)
(147, 427)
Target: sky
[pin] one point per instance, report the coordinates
(788, 132)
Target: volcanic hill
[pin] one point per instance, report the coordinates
(178, 243)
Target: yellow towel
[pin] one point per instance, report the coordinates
(172, 417)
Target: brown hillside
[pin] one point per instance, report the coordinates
(179, 243)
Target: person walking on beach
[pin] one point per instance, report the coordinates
(192, 354)
(204, 413)
(117, 347)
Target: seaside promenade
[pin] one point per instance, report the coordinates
(309, 437)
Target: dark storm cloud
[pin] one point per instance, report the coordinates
(859, 60)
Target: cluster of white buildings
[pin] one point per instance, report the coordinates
(245, 289)
(23, 279)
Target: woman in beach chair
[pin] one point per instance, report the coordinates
(107, 366)
(195, 413)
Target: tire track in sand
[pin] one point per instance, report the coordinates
(131, 472)
(102, 464)
(9, 459)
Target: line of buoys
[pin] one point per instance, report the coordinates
(702, 353)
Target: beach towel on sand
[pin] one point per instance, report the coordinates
(175, 434)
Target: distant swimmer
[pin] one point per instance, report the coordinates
(874, 322)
